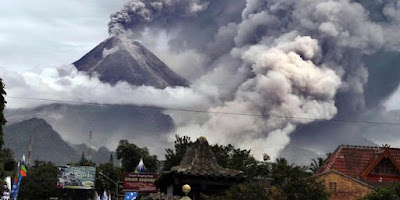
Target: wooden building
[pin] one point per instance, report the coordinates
(200, 169)
(352, 172)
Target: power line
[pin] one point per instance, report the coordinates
(203, 111)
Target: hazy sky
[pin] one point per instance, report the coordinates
(49, 33)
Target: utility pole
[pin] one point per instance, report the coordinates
(90, 146)
(30, 151)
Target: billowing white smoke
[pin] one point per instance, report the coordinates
(66, 83)
(286, 82)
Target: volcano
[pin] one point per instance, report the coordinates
(121, 59)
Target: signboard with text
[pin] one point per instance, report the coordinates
(76, 177)
(140, 182)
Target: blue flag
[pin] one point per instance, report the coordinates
(130, 195)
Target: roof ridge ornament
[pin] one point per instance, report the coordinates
(386, 146)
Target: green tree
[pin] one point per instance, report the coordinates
(174, 156)
(114, 173)
(383, 193)
(240, 159)
(4, 154)
(243, 191)
(294, 182)
(2, 106)
(111, 160)
(316, 164)
(131, 155)
(227, 156)
(40, 183)
(85, 162)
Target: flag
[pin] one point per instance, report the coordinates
(130, 195)
(141, 167)
(23, 170)
(20, 173)
(104, 197)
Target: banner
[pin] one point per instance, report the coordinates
(140, 182)
(76, 177)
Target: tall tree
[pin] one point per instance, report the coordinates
(2, 106)
(316, 164)
(40, 182)
(111, 160)
(131, 155)
(114, 173)
(4, 153)
(174, 156)
(85, 162)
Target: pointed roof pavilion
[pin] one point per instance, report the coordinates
(199, 168)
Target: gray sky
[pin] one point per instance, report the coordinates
(44, 33)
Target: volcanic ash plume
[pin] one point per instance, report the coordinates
(286, 83)
(137, 12)
(291, 62)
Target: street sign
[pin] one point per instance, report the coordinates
(140, 182)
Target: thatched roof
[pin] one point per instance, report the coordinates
(199, 160)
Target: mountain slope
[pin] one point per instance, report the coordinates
(109, 124)
(47, 144)
(119, 59)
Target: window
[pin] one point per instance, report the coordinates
(332, 186)
(386, 167)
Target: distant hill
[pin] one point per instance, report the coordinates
(47, 144)
(100, 156)
(109, 124)
(120, 59)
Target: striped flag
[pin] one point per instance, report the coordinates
(20, 173)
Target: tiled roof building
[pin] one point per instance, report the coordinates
(351, 171)
(199, 168)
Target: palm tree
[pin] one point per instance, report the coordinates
(316, 164)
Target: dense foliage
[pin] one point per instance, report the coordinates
(6, 158)
(111, 172)
(40, 183)
(227, 156)
(384, 193)
(286, 182)
(174, 156)
(130, 156)
(265, 180)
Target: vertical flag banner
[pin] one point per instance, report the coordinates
(20, 173)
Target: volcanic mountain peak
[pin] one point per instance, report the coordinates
(121, 59)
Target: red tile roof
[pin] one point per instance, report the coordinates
(354, 160)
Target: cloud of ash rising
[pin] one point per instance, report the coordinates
(295, 58)
(303, 59)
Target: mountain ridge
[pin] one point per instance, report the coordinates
(47, 144)
(120, 59)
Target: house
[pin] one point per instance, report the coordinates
(351, 172)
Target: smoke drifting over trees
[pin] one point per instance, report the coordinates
(304, 59)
